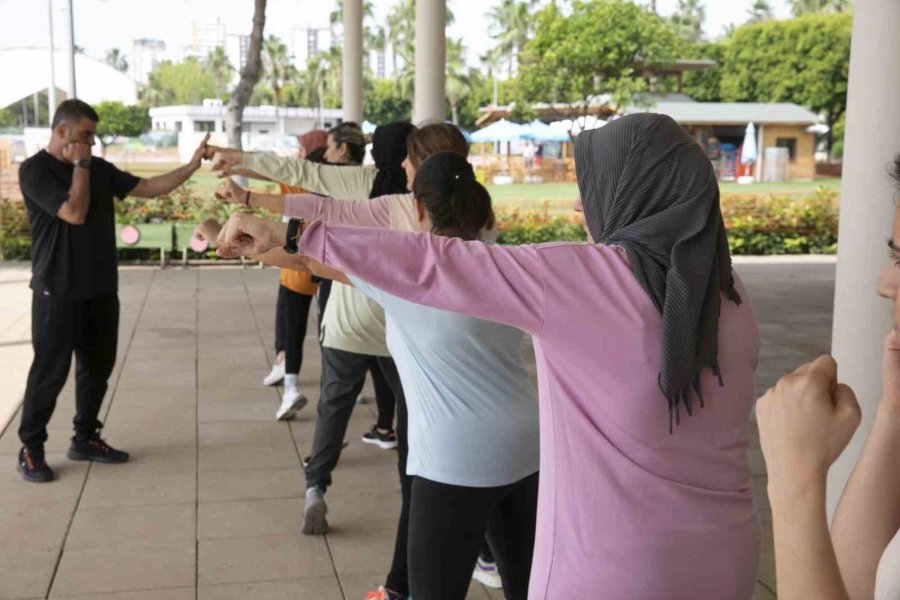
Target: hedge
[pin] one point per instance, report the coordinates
(756, 224)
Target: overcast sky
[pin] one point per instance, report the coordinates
(104, 24)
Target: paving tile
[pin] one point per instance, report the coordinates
(248, 518)
(188, 593)
(210, 395)
(132, 525)
(259, 484)
(264, 558)
(66, 486)
(35, 526)
(361, 552)
(133, 433)
(241, 433)
(109, 569)
(317, 588)
(26, 572)
(363, 512)
(246, 410)
(238, 458)
(110, 489)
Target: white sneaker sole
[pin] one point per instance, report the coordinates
(491, 580)
(286, 413)
(380, 444)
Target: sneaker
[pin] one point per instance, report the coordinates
(486, 573)
(96, 450)
(33, 467)
(306, 458)
(314, 511)
(386, 440)
(275, 375)
(291, 399)
(382, 593)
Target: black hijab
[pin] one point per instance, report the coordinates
(389, 150)
(647, 186)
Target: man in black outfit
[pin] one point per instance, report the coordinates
(75, 306)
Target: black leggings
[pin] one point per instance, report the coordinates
(447, 524)
(384, 396)
(291, 315)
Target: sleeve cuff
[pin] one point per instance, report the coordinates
(312, 242)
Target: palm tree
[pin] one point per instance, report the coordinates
(510, 25)
(376, 40)
(278, 66)
(689, 18)
(760, 11)
(217, 62)
(803, 7)
(458, 80)
(116, 59)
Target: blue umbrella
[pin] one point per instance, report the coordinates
(541, 132)
(501, 131)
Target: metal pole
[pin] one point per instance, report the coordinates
(51, 91)
(73, 91)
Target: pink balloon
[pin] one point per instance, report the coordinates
(130, 235)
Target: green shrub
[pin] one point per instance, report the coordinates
(534, 227)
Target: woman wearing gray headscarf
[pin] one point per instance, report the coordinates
(633, 332)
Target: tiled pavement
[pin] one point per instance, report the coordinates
(209, 507)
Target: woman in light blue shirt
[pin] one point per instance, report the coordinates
(473, 413)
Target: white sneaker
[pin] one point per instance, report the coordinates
(275, 375)
(291, 399)
(486, 573)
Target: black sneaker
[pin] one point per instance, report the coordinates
(387, 440)
(96, 450)
(33, 467)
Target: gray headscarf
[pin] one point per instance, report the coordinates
(647, 186)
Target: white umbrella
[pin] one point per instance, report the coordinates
(748, 149)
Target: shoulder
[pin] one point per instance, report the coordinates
(103, 165)
(35, 162)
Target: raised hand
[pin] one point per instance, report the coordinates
(805, 422)
(200, 152)
(246, 235)
(75, 151)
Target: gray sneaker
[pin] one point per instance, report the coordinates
(314, 522)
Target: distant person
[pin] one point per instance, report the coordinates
(75, 307)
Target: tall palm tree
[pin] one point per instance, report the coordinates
(278, 66)
(217, 62)
(688, 19)
(116, 59)
(459, 76)
(803, 7)
(760, 11)
(510, 24)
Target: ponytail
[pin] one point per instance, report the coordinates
(457, 204)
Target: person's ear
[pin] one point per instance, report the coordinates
(343, 151)
(420, 211)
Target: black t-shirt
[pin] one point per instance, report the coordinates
(72, 261)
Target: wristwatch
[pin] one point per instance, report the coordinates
(84, 163)
(294, 229)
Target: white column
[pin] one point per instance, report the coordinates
(431, 61)
(352, 60)
(51, 89)
(861, 319)
(72, 91)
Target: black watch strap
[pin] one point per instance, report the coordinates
(84, 163)
(294, 229)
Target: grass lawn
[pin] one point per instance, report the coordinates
(527, 196)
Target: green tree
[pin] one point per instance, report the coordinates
(382, 102)
(595, 50)
(250, 74)
(116, 60)
(806, 7)
(187, 82)
(688, 20)
(705, 85)
(510, 25)
(118, 119)
(804, 60)
(217, 62)
(278, 66)
(760, 11)
(459, 77)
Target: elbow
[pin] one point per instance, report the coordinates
(72, 217)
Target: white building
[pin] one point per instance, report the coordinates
(210, 116)
(146, 55)
(236, 49)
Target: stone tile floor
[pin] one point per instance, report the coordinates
(209, 507)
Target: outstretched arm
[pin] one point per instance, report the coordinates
(165, 183)
(502, 284)
(361, 213)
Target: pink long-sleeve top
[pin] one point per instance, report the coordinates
(626, 511)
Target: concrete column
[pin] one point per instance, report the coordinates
(72, 91)
(861, 319)
(352, 78)
(431, 61)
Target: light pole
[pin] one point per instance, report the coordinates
(51, 91)
(73, 93)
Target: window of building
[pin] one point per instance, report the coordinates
(204, 126)
(790, 144)
(177, 125)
